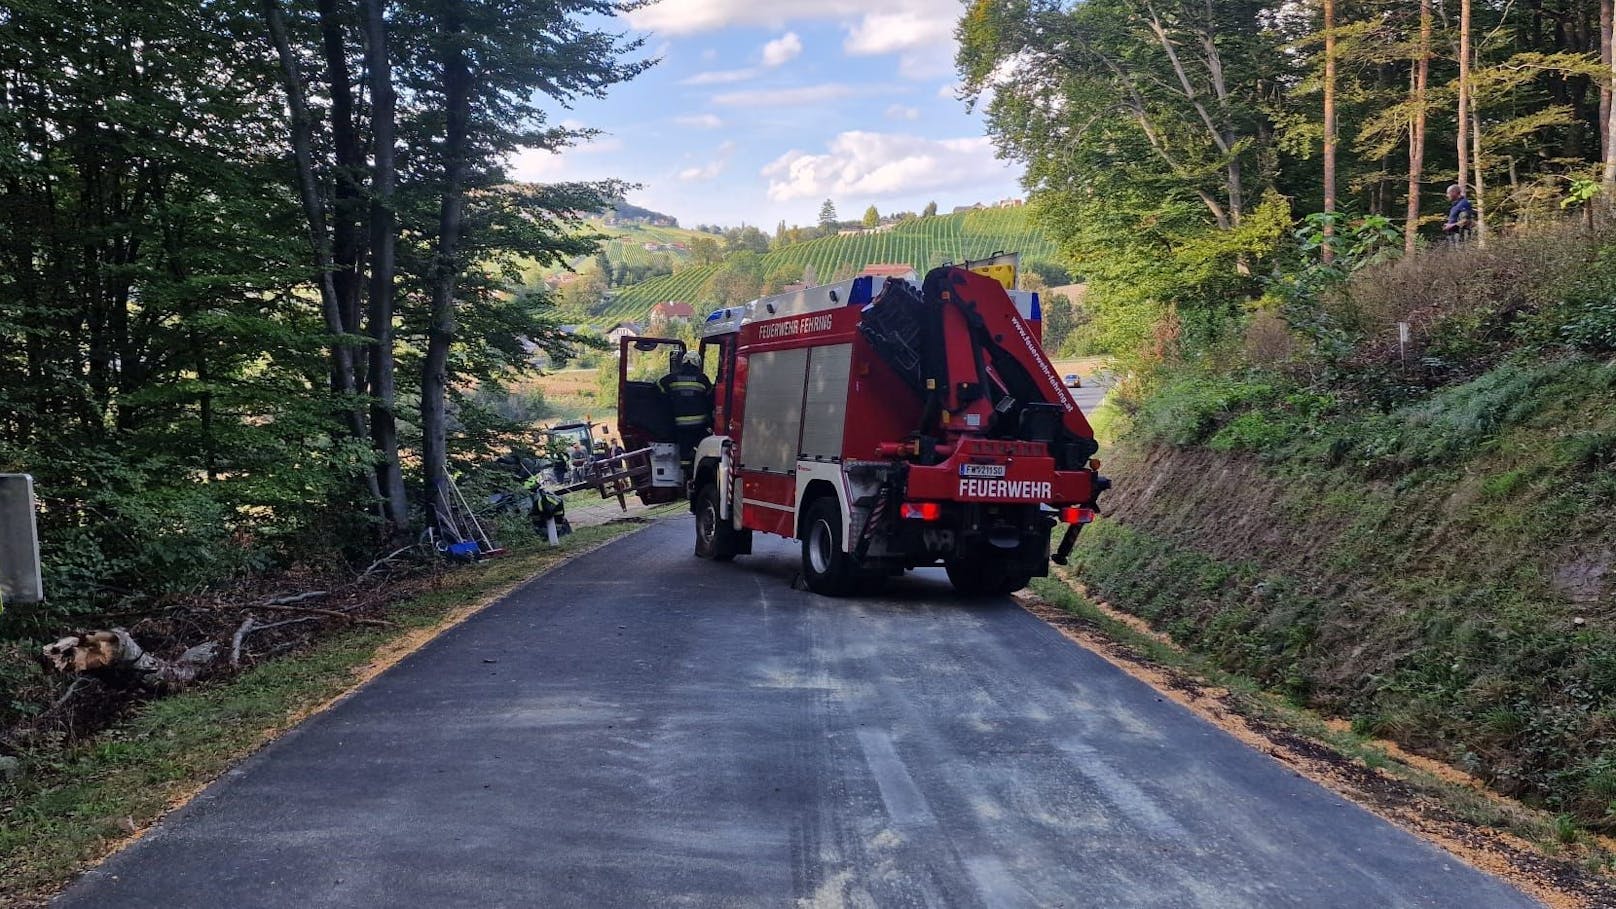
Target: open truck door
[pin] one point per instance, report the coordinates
(645, 416)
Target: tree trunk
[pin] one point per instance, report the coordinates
(383, 239)
(347, 199)
(446, 267)
(1329, 131)
(1605, 93)
(1480, 199)
(1416, 131)
(1464, 94)
(302, 129)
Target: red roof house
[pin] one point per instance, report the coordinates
(670, 311)
(887, 270)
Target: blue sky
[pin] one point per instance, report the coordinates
(761, 109)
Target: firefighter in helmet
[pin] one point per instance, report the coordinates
(691, 396)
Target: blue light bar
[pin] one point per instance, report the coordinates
(863, 291)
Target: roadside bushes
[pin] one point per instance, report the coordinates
(1473, 292)
(121, 532)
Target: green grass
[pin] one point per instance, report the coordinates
(1415, 570)
(68, 807)
(923, 243)
(1548, 832)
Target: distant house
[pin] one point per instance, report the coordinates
(671, 311)
(624, 330)
(887, 270)
(849, 231)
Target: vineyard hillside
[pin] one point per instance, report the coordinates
(626, 243)
(922, 243)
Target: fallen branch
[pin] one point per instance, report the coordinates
(297, 598)
(384, 560)
(252, 626)
(276, 607)
(237, 638)
(66, 696)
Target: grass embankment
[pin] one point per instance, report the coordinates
(68, 808)
(1438, 573)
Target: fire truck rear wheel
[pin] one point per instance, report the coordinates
(715, 536)
(827, 569)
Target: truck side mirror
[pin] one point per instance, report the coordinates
(20, 577)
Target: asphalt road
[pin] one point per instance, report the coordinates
(1090, 396)
(643, 729)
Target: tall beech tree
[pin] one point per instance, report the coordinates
(485, 74)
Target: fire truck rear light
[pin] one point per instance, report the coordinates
(1075, 515)
(922, 511)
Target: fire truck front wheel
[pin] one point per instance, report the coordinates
(828, 570)
(716, 537)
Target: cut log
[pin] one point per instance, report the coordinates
(116, 659)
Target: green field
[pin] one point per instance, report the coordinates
(922, 243)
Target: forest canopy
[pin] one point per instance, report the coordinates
(254, 257)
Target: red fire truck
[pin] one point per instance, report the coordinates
(887, 424)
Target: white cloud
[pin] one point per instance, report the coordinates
(700, 121)
(949, 91)
(775, 53)
(691, 17)
(533, 165)
(719, 77)
(782, 49)
(902, 112)
(919, 32)
(710, 170)
(874, 165)
(786, 97)
(537, 165)
(706, 171)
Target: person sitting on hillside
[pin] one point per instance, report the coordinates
(1461, 216)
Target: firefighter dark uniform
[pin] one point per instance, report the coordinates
(691, 397)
